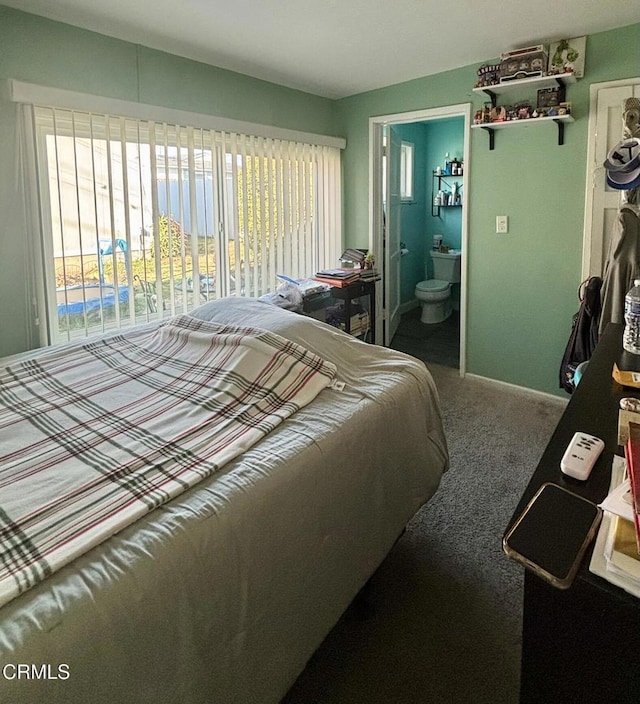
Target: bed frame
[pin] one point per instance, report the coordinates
(224, 593)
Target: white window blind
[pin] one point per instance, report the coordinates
(143, 219)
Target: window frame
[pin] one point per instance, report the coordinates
(29, 96)
(407, 171)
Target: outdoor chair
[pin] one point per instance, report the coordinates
(149, 292)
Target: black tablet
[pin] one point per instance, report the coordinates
(552, 534)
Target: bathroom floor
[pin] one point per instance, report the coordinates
(438, 343)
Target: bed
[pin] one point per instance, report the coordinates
(223, 593)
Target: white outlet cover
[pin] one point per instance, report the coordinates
(502, 224)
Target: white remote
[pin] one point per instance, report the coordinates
(581, 455)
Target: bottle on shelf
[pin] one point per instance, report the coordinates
(631, 335)
(447, 164)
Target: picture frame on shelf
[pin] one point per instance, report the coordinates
(550, 97)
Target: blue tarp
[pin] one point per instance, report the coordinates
(72, 301)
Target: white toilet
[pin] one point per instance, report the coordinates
(435, 294)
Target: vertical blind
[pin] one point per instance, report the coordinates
(143, 219)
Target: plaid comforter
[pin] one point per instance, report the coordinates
(94, 437)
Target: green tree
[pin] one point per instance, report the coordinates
(171, 238)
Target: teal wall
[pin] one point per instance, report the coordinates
(36, 50)
(521, 286)
(444, 136)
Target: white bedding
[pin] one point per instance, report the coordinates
(96, 436)
(223, 594)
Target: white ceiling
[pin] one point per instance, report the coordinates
(337, 48)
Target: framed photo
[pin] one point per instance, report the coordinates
(567, 56)
(550, 97)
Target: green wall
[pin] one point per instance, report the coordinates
(521, 286)
(37, 50)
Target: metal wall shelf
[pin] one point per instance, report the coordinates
(439, 179)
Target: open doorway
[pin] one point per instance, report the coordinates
(385, 226)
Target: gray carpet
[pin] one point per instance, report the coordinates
(440, 619)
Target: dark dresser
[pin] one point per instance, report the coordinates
(582, 644)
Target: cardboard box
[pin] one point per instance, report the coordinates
(529, 62)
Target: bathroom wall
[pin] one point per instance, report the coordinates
(444, 136)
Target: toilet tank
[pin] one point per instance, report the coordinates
(446, 265)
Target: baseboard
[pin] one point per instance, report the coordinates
(521, 389)
(407, 306)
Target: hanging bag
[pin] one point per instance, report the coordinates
(584, 332)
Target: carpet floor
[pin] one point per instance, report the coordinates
(439, 622)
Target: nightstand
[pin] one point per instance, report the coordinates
(358, 289)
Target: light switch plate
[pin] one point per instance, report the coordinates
(502, 224)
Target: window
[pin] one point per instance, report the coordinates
(406, 171)
(144, 219)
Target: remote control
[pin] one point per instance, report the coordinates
(581, 455)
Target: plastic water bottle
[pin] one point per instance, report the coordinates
(631, 336)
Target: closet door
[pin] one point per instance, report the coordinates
(602, 202)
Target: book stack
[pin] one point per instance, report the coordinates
(358, 325)
(338, 277)
(369, 275)
(616, 555)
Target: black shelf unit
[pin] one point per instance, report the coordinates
(436, 185)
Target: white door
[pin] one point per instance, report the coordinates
(392, 237)
(602, 202)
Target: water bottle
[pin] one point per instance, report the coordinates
(631, 336)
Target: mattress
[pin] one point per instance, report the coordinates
(222, 594)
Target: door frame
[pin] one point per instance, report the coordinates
(376, 125)
(591, 166)
(391, 268)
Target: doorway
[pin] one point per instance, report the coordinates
(385, 243)
(601, 201)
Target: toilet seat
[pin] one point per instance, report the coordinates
(433, 286)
